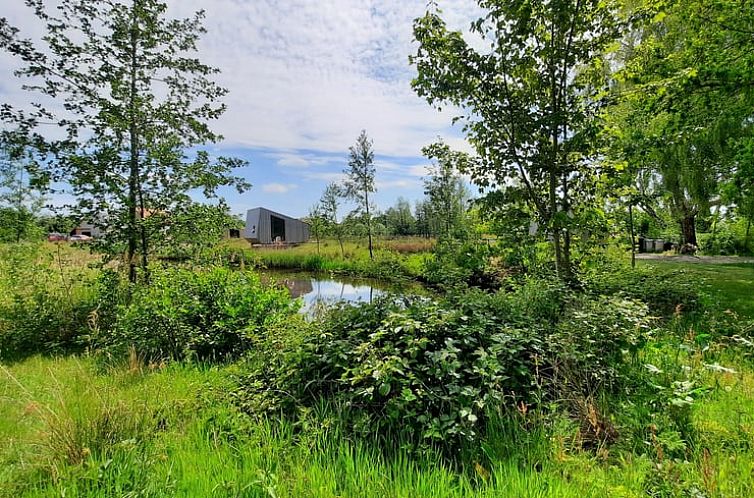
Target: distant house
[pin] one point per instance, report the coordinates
(267, 227)
(87, 229)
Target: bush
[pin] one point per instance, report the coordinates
(431, 372)
(207, 315)
(465, 264)
(42, 310)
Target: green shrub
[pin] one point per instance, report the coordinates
(43, 309)
(431, 372)
(461, 265)
(207, 315)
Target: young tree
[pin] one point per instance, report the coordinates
(317, 223)
(528, 100)
(447, 196)
(134, 100)
(359, 181)
(328, 205)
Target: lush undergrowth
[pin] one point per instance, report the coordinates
(207, 383)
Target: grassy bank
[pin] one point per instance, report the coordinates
(394, 260)
(729, 285)
(68, 429)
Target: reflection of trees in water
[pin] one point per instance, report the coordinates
(299, 286)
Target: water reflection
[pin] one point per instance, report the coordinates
(318, 291)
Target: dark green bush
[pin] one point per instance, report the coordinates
(431, 372)
(208, 315)
(461, 265)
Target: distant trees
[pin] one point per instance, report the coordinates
(20, 201)
(359, 182)
(398, 219)
(134, 100)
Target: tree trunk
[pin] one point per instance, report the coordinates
(143, 233)
(555, 225)
(633, 237)
(688, 229)
(133, 177)
(369, 222)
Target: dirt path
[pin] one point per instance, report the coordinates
(684, 258)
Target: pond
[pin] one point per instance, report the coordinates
(321, 289)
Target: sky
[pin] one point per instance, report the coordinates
(305, 77)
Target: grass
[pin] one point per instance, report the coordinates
(134, 433)
(69, 428)
(731, 286)
(395, 259)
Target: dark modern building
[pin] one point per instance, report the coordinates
(268, 227)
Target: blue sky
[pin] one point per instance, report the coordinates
(305, 77)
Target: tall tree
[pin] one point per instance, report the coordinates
(359, 181)
(528, 100)
(684, 99)
(134, 100)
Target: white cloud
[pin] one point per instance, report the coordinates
(311, 75)
(386, 184)
(279, 188)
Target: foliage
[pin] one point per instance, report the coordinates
(45, 303)
(191, 230)
(430, 373)
(447, 197)
(666, 292)
(135, 100)
(212, 315)
(529, 102)
(20, 199)
(359, 181)
(680, 111)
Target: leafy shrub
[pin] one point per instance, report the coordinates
(208, 315)
(42, 310)
(431, 372)
(465, 264)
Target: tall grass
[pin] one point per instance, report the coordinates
(68, 428)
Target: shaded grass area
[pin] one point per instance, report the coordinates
(730, 286)
(71, 429)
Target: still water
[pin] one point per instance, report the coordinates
(321, 289)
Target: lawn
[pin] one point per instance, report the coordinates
(730, 286)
